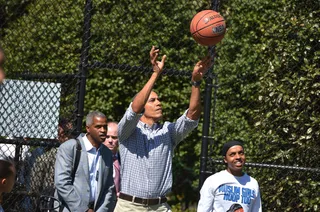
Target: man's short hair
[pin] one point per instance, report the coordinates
(5, 164)
(230, 144)
(91, 115)
(112, 122)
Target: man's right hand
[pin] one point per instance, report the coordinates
(141, 98)
(157, 65)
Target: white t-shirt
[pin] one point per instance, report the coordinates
(222, 190)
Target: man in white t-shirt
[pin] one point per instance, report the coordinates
(230, 187)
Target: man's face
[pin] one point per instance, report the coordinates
(2, 75)
(235, 159)
(98, 129)
(112, 138)
(153, 108)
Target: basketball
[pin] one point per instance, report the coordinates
(208, 27)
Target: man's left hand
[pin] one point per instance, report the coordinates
(201, 68)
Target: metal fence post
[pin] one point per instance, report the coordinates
(206, 113)
(83, 67)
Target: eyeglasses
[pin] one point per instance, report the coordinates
(113, 137)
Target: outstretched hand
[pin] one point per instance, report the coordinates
(201, 68)
(157, 65)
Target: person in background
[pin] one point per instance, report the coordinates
(37, 170)
(91, 188)
(112, 143)
(222, 190)
(7, 176)
(42, 170)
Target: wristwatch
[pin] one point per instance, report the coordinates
(195, 83)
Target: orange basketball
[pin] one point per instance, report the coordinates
(208, 27)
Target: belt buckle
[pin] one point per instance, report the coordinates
(145, 202)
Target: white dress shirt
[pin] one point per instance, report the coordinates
(94, 161)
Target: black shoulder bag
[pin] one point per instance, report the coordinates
(77, 159)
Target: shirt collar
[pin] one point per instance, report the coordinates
(115, 155)
(146, 126)
(88, 144)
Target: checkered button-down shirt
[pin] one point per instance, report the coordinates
(146, 153)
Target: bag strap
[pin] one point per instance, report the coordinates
(77, 159)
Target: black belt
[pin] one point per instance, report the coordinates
(142, 201)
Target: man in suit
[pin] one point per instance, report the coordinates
(92, 188)
(112, 143)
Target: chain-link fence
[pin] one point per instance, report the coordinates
(64, 57)
(266, 94)
(39, 98)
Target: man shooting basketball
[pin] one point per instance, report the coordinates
(146, 147)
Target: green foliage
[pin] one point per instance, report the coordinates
(46, 39)
(267, 67)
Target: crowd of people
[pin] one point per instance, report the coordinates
(127, 166)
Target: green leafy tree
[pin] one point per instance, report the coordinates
(267, 86)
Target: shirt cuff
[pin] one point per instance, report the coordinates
(188, 119)
(132, 113)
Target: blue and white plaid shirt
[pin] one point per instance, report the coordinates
(146, 153)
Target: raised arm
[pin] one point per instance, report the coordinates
(133, 114)
(199, 71)
(157, 66)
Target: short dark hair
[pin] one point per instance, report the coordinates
(65, 124)
(230, 144)
(234, 207)
(5, 164)
(91, 115)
